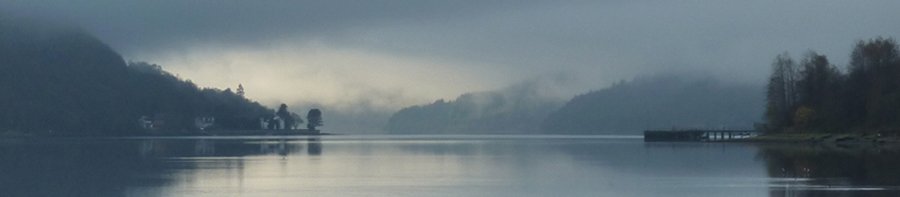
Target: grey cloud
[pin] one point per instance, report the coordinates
(736, 39)
(137, 26)
(608, 38)
(597, 42)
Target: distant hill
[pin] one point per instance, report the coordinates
(659, 102)
(61, 79)
(516, 109)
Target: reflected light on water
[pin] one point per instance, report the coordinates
(426, 166)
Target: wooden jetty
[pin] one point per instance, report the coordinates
(696, 135)
(263, 132)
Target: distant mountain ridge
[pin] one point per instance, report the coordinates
(659, 102)
(516, 109)
(61, 80)
(654, 102)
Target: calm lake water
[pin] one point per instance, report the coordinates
(533, 165)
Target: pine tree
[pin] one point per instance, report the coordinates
(240, 90)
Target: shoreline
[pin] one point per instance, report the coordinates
(821, 138)
(301, 132)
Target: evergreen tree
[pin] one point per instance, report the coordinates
(240, 90)
(314, 119)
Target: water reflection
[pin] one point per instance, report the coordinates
(829, 170)
(439, 166)
(67, 168)
(226, 147)
(314, 146)
(102, 167)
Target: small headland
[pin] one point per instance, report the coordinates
(752, 136)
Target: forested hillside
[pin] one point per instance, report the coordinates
(659, 102)
(61, 80)
(516, 109)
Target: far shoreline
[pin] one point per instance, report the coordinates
(821, 138)
(222, 133)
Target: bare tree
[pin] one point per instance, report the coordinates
(781, 93)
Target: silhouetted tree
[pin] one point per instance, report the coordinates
(240, 90)
(874, 81)
(867, 98)
(285, 115)
(818, 90)
(780, 93)
(314, 119)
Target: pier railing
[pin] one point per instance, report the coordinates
(697, 135)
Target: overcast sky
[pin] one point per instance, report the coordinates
(389, 54)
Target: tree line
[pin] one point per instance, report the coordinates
(173, 103)
(663, 101)
(813, 95)
(519, 108)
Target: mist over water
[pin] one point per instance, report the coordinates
(449, 98)
(398, 54)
